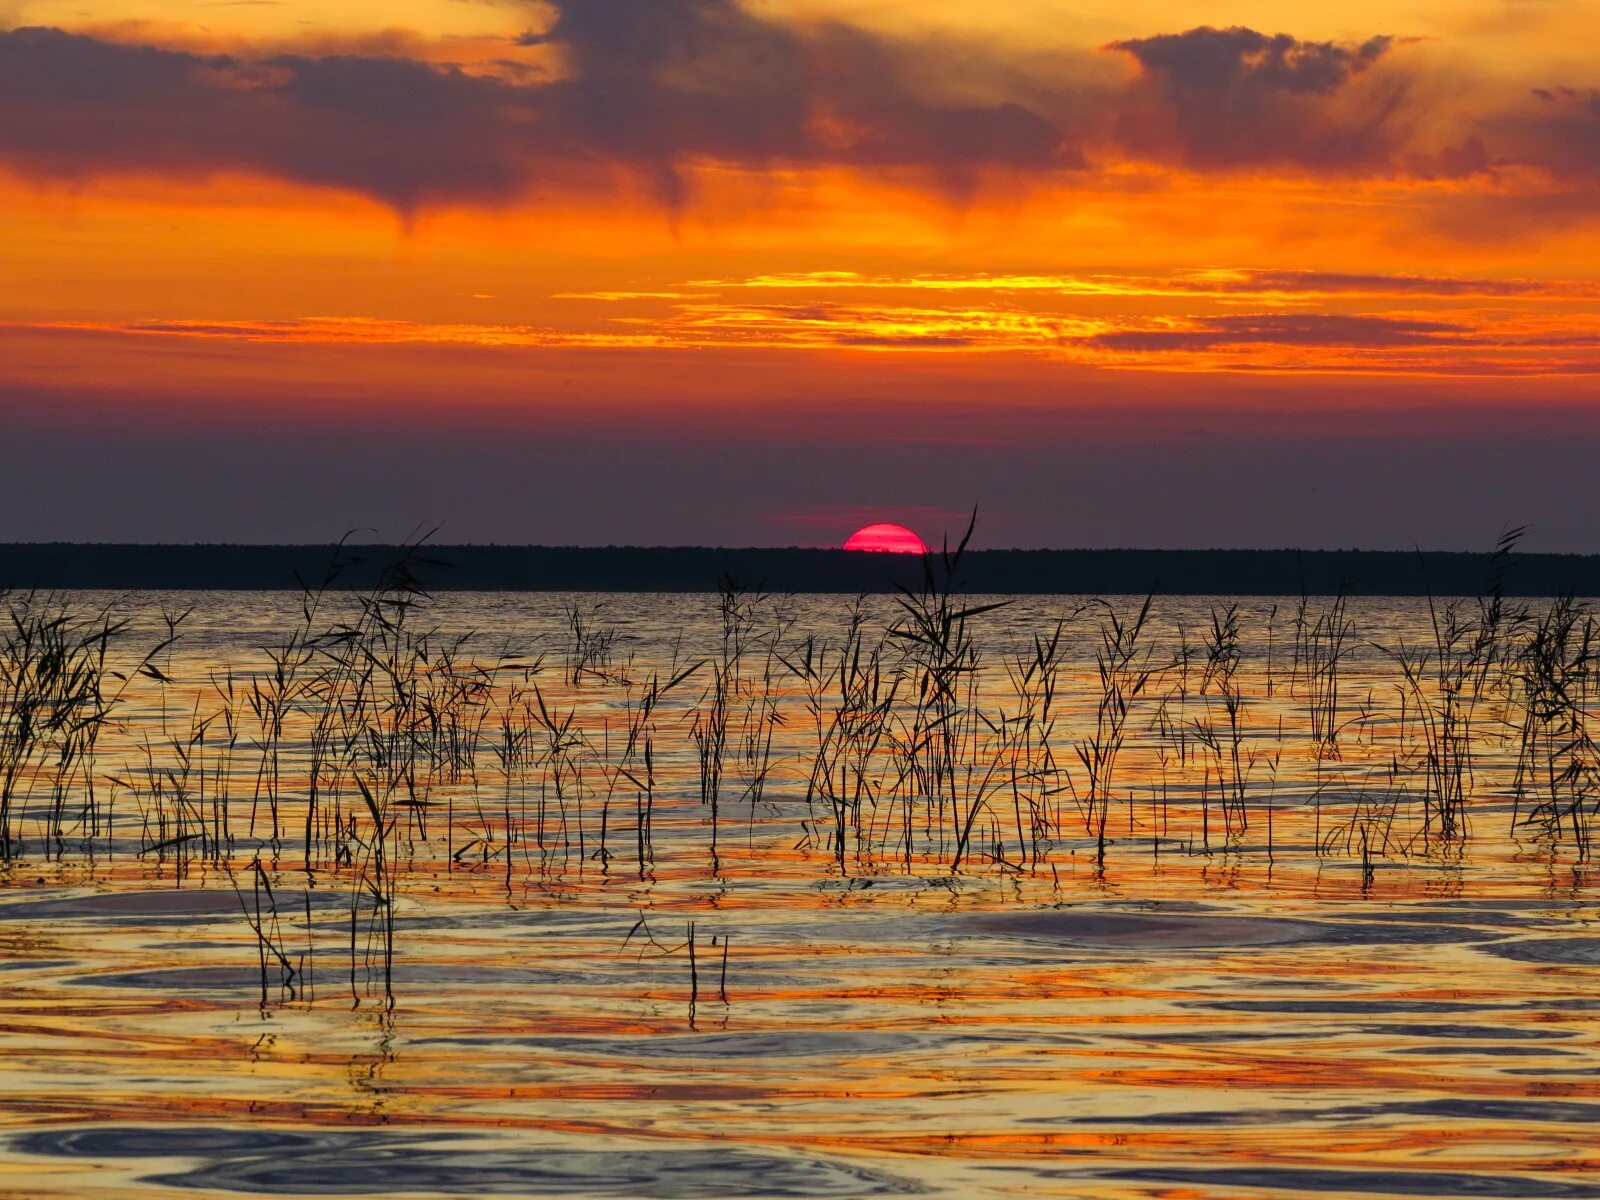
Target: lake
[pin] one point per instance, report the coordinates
(755, 896)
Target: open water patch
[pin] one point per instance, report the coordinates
(183, 980)
(340, 1163)
(156, 906)
(431, 975)
(1560, 952)
(792, 1043)
(1508, 1111)
(1493, 1051)
(1147, 932)
(1279, 1181)
(159, 1141)
(1485, 1033)
(1352, 1006)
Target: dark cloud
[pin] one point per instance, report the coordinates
(1559, 133)
(649, 85)
(657, 81)
(1220, 61)
(1238, 98)
(655, 87)
(1328, 329)
(1544, 151)
(400, 130)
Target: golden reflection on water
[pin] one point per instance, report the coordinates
(1178, 1023)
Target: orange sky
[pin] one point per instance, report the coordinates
(731, 229)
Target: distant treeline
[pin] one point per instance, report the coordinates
(702, 568)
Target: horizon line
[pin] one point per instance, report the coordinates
(790, 548)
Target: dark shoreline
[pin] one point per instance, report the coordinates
(698, 569)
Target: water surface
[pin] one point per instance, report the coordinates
(1220, 1008)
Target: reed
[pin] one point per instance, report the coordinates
(1225, 737)
(925, 735)
(1322, 640)
(1557, 786)
(58, 692)
(1126, 666)
(946, 726)
(590, 644)
(260, 908)
(851, 705)
(1038, 776)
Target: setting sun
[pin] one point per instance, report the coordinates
(886, 538)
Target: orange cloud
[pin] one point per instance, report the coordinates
(1447, 340)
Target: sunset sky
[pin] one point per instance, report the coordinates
(698, 271)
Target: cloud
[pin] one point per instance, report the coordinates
(660, 81)
(402, 131)
(649, 85)
(905, 341)
(1459, 343)
(1558, 133)
(347, 331)
(1319, 329)
(1238, 98)
(1333, 283)
(650, 92)
(1231, 283)
(1217, 62)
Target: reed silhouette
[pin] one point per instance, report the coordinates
(931, 736)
